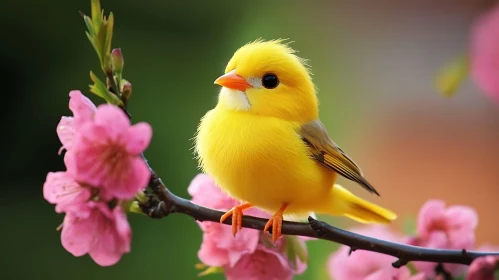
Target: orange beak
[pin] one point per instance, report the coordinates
(233, 81)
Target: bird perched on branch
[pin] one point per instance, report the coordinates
(264, 144)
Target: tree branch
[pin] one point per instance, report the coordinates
(168, 203)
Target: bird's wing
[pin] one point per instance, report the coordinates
(327, 153)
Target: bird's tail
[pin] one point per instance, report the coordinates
(347, 204)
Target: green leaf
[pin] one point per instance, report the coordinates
(94, 44)
(100, 40)
(133, 207)
(295, 249)
(109, 33)
(141, 197)
(96, 13)
(409, 226)
(412, 268)
(450, 77)
(100, 34)
(99, 89)
(88, 23)
(209, 269)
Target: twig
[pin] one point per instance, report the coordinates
(404, 253)
(170, 203)
(440, 270)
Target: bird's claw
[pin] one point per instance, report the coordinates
(237, 217)
(276, 223)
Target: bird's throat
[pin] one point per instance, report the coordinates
(234, 99)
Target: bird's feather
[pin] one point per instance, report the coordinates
(327, 153)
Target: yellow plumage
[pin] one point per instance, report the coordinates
(265, 146)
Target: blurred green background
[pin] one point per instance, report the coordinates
(373, 62)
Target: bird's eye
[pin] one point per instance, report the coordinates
(270, 81)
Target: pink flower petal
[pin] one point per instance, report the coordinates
(445, 228)
(70, 163)
(89, 147)
(485, 52)
(60, 188)
(114, 237)
(246, 244)
(430, 213)
(138, 137)
(210, 255)
(83, 109)
(77, 234)
(419, 276)
(65, 131)
(482, 268)
(54, 185)
(196, 185)
(113, 119)
(220, 247)
(462, 238)
(140, 175)
(122, 227)
(461, 216)
(101, 159)
(206, 193)
(135, 178)
(341, 265)
(105, 234)
(263, 264)
(381, 274)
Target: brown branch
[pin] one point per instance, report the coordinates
(167, 203)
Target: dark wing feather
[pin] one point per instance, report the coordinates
(327, 153)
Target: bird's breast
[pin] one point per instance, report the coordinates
(258, 159)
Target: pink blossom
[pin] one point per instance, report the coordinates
(445, 228)
(404, 274)
(263, 264)
(83, 110)
(107, 153)
(483, 268)
(290, 242)
(485, 52)
(220, 247)
(300, 265)
(235, 254)
(65, 131)
(60, 189)
(104, 234)
(362, 264)
(206, 193)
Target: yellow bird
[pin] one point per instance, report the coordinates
(264, 144)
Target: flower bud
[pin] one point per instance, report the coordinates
(126, 90)
(117, 61)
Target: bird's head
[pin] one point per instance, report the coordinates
(266, 78)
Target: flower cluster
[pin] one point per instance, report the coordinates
(251, 254)
(104, 172)
(438, 226)
(360, 264)
(444, 228)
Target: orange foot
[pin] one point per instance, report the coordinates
(276, 223)
(237, 216)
